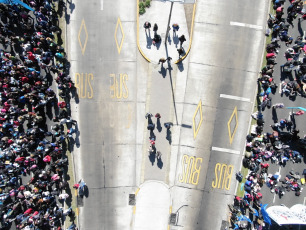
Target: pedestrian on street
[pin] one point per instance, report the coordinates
(147, 26)
(175, 27)
(157, 115)
(155, 28)
(180, 52)
(167, 126)
(162, 60)
(148, 115)
(182, 39)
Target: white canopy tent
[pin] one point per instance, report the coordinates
(283, 215)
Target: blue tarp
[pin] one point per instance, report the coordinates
(16, 2)
(265, 215)
(242, 218)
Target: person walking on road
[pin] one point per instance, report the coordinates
(147, 26)
(175, 28)
(182, 39)
(148, 115)
(162, 60)
(180, 52)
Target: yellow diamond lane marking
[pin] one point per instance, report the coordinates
(83, 28)
(119, 46)
(195, 126)
(232, 134)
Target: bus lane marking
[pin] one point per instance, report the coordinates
(223, 176)
(118, 86)
(191, 168)
(83, 84)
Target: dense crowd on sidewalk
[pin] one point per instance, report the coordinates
(32, 155)
(282, 143)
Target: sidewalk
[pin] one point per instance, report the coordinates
(164, 92)
(158, 13)
(153, 206)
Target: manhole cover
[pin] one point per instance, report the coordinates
(173, 218)
(132, 200)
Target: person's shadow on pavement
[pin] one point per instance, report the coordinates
(168, 137)
(163, 71)
(158, 125)
(160, 163)
(175, 40)
(149, 41)
(180, 66)
(152, 135)
(152, 157)
(169, 39)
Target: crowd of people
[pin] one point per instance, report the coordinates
(33, 160)
(279, 145)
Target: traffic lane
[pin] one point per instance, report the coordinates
(220, 12)
(236, 47)
(219, 187)
(107, 102)
(107, 98)
(231, 124)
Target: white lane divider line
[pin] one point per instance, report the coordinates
(101, 4)
(280, 88)
(246, 25)
(235, 97)
(226, 150)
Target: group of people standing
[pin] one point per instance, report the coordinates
(280, 144)
(33, 161)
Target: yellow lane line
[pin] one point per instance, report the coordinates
(137, 9)
(190, 38)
